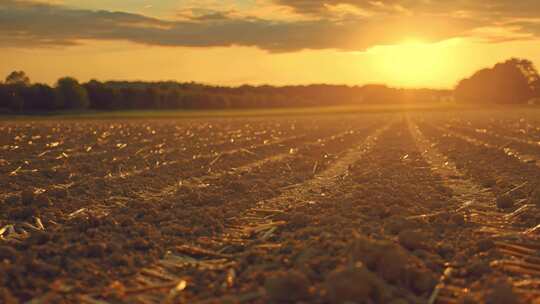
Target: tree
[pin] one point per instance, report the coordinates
(70, 94)
(15, 102)
(4, 96)
(536, 88)
(39, 97)
(152, 98)
(102, 97)
(18, 78)
(172, 99)
(512, 81)
(12, 96)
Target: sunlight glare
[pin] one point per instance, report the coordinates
(414, 62)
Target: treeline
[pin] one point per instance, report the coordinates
(513, 81)
(18, 94)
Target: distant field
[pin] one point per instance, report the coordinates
(138, 114)
(233, 112)
(117, 210)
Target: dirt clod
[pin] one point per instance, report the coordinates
(23, 213)
(412, 239)
(458, 219)
(485, 245)
(391, 264)
(6, 297)
(354, 285)
(27, 196)
(7, 253)
(395, 224)
(478, 268)
(423, 281)
(58, 192)
(505, 202)
(96, 250)
(297, 220)
(488, 182)
(42, 200)
(445, 250)
(502, 293)
(11, 200)
(287, 287)
(39, 238)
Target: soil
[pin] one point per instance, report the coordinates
(363, 208)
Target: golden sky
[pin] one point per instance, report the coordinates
(407, 43)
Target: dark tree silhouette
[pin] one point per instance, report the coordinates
(102, 97)
(513, 81)
(15, 86)
(39, 97)
(15, 102)
(18, 78)
(70, 94)
(118, 95)
(4, 96)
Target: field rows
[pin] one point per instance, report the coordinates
(379, 208)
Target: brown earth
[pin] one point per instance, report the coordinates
(379, 208)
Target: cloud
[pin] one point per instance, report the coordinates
(332, 24)
(499, 16)
(478, 7)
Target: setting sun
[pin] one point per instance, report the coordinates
(414, 63)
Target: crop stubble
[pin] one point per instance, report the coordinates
(394, 208)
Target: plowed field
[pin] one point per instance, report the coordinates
(417, 207)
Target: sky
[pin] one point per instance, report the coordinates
(403, 43)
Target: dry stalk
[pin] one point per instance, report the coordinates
(516, 188)
(444, 277)
(176, 285)
(532, 230)
(247, 151)
(268, 233)
(77, 212)
(39, 223)
(231, 278)
(526, 257)
(157, 275)
(215, 160)
(516, 248)
(262, 210)
(263, 227)
(192, 250)
(519, 211)
(515, 268)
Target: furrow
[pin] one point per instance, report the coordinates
(485, 223)
(251, 228)
(508, 151)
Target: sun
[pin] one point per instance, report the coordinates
(414, 62)
(412, 42)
